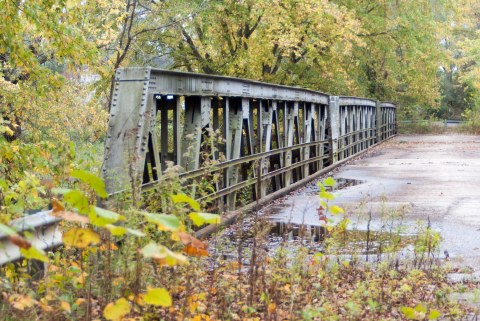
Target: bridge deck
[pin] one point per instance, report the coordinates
(436, 177)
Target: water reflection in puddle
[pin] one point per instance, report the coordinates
(361, 242)
(317, 239)
(342, 183)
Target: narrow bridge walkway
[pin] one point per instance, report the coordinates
(432, 178)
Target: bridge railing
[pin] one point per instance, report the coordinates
(243, 137)
(43, 231)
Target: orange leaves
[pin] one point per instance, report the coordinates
(195, 251)
(14, 237)
(20, 242)
(193, 246)
(57, 206)
(272, 307)
(58, 210)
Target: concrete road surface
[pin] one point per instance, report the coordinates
(424, 178)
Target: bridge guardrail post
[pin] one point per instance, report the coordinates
(379, 124)
(333, 122)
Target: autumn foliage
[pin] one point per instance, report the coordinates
(130, 259)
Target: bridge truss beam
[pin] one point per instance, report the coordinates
(258, 138)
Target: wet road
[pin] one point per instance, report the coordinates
(424, 178)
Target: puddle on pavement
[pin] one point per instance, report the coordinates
(342, 183)
(347, 242)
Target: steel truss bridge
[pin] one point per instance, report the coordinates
(260, 137)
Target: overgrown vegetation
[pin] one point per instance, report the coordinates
(427, 126)
(134, 265)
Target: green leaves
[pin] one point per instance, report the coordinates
(7, 230)
(335, 210)
(96, 183)
(419, 313)
(164, 222)
(197, 217)
(329, 181)
(158, 297)
(182, 198)
(77, 199)
(200, 219)
(325, 198)
(326, 195)
(101, 217)
(34, 253)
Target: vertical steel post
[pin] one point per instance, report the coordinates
(290, 109)
(266, 112)
(379, 122)
(307, 135)
(333, 124)
(129, 125)
(197, 117)
(235, 116)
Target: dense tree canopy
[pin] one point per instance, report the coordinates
(406, 51)
(388, 50)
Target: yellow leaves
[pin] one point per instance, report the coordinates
(116, 230)
(200, 219)
(80, 237)
(34, 253)
(65, 306)
(163, 255)
(158, 297)
(21, 302)
(182, 198)
(116, 311)
(334, 209)
(137, 299)
(201, 317)
(326, 195)
(195, 303)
